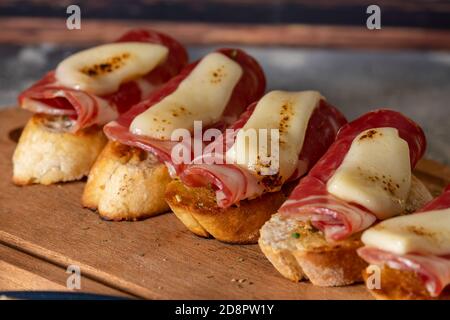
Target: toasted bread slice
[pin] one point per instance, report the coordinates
(126, 183)
(299, 251)
(400, 285)
(47, 153)
(198, 210)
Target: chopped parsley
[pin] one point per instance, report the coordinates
(295, 235)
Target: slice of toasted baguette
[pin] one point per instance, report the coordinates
(47, 153)
(198, 210)
(126, 183)
(299, 251)
(397, 284)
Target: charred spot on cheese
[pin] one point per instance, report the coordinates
(218, 74)
(180, 111)
(420, 231)
(109, 65)
(201, 96)
(287, 113)
(370, 134)
(101, 70)
(423, 233)
(375, 173)
(386, 181)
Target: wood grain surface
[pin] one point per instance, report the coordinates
(19, 30)
(43, 229)
(22, 271)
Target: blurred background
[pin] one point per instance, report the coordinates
(302, 44)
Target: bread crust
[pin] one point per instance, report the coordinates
(198, 210)
(300, 252)
(126, 183)
(400, 285)
(46, 153)
(310, 256)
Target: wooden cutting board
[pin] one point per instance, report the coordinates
(43, 229)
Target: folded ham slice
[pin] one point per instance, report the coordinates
(233, 182)
(250, 87)
(441, 202)
(49, 96)
(311, 200)
(433, 270)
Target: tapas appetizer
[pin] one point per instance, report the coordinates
(365, 176)
(129, 178)
(412, 253)
(231, 199)
(88, 89)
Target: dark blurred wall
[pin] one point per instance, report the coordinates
(415, 13)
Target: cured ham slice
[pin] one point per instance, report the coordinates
(441, 202)
(51, 96)
(311, 201)
(434, 269)
(307, 126)
(175, 103)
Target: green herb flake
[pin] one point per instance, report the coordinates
(295, 235)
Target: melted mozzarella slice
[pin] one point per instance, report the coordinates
(375, 173)
(425, 232)
(288, 113)
(202, 96)
(102, 69)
